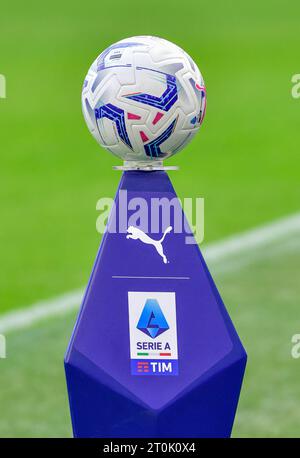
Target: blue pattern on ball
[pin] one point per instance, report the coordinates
(116, 115)
(152, 149)
(166, 100)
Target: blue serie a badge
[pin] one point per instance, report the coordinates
(153, 333)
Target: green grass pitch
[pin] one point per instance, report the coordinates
(244, 162)
(33, 395)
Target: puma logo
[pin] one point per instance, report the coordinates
(137, 234)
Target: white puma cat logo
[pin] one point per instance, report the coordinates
(137, 234)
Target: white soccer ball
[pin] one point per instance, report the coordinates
(143, 99)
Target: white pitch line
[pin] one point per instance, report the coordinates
(214, 252)
(40, 310)
(254, 238)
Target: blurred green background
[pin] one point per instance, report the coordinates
(244, 162)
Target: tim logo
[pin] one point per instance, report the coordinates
(154, 367)
(137, 234)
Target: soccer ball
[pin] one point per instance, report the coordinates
(143, 99)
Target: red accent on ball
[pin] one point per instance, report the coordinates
(143, 136)
(133, 116)
(158, 116)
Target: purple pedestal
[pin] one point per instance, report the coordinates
(154, 352)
